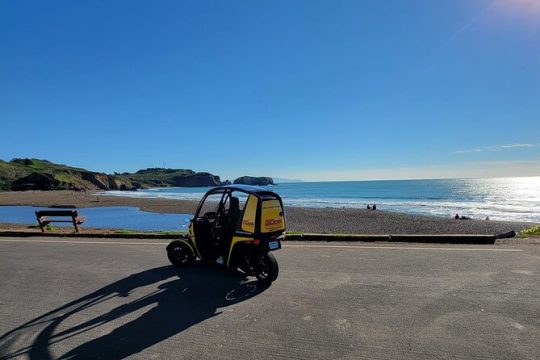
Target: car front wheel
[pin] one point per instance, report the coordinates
(180, 254)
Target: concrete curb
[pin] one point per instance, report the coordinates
(413, 238)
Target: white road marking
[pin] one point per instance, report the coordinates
(292, 246)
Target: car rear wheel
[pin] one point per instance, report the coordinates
(267, 268)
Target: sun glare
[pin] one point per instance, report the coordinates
(530, 8)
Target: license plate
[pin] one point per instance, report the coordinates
(273, 245)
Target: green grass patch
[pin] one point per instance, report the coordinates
(47, 227)
(125, 231)
(171, 232)
(532, 231)
(67, 178)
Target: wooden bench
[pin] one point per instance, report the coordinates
(45, 217)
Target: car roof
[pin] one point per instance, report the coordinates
(245, 188)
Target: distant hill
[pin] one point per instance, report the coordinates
(36, 174)
(284, 180)
(158, 177)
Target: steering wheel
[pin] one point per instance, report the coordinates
(209, 216)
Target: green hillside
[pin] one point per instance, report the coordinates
(9, 172)
(36, 174)
(158, 176)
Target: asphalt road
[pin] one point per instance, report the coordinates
(76, 299)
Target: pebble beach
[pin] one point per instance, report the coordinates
(300, 219)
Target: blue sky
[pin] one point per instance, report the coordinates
(319, 90)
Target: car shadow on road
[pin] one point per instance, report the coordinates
(175, 298)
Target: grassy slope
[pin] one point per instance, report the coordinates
(9, 172)
(17, 168)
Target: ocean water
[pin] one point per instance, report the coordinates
(507, 199)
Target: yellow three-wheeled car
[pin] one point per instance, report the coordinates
(237, 226)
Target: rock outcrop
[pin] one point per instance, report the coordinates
(197, 179)
(37, 181)
(108, 182)
(251, 180)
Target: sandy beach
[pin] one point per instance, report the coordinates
(314, 220)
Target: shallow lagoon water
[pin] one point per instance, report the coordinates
(114, 217)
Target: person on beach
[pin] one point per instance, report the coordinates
(368, 207)
(374, 207)
(456, 217)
